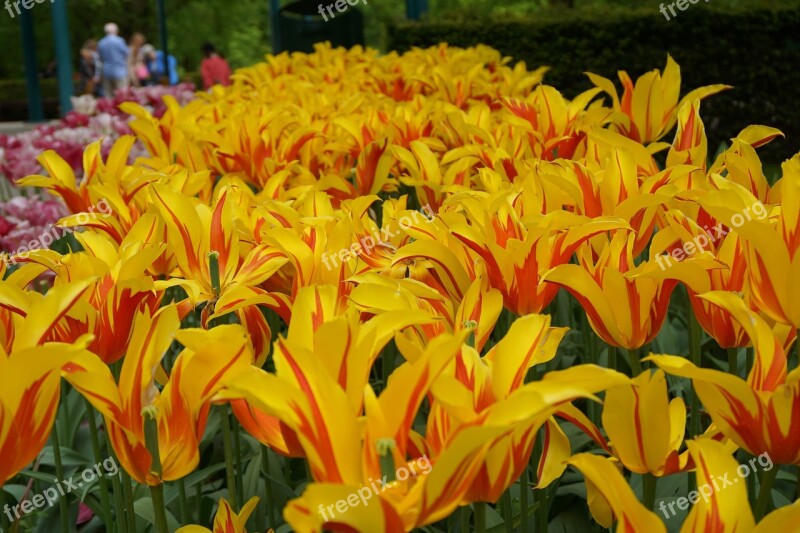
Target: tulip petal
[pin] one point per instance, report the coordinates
(609, 492)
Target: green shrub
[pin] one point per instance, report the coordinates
(754, 48)
(17, 90)
(14, 99)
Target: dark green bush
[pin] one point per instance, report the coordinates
(13, 90)
(14, 99)
(752, 47)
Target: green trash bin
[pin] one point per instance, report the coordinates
(302, 25)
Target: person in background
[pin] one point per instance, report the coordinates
(136, 65)
(154, 60)
(89, 68)
(113, 54)
(148, 57)
(214, 68)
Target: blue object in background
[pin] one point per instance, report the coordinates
(114, 53)
(156, 68)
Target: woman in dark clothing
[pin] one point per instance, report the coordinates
(88, 68)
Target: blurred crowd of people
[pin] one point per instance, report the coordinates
(111, 64)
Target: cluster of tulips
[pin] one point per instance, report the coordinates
(506, 341)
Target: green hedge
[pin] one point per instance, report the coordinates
(14, 99)
(17, 90)
(755, 49)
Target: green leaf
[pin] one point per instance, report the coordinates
(493, 518)
(15, 490)
(143, 507)
(51, 520)
(39, 476)
(69, 457)
(201, 475)
(251, 478)
(571, 520)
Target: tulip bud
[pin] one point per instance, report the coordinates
(385, 448)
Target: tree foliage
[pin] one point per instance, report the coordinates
(239, 29)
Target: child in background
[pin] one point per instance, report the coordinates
(154, 60)
(136, 63)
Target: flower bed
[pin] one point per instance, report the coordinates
(90, 120)
(355, 292)
(23, 219)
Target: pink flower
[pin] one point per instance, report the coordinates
(26, 220)
(76, 120)
(5, 226)
(70, 137)
(84, 514)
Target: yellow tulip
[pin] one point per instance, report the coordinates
(611, 499)
(601, 285)
(648, 110)
(728, 274)
(691, 145)
(770, 241)
(30, 378)
(723, 504)
(760, 415)
(194, 232)
(31, 368)
(80, 198)
(183, 404)
(646, 432)
(347, 349)
(740, 163)
(478, 387)
(122, 288)
(480, 305)
(514, 253)
(308, 400)
(226, 521)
